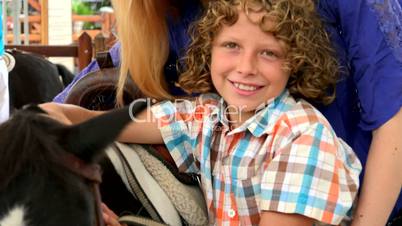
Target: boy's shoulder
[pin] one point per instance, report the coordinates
(303, 115)
(287, 115)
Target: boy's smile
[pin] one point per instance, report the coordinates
(247, 66)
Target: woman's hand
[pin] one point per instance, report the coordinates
(109, 217)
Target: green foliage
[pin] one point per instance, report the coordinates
(81, 8)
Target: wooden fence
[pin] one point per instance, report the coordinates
(37, 25)
(82, 50)
(34, 37)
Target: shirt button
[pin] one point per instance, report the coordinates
(231, 213)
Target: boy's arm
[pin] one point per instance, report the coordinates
(144, 130)
(276, 219)
(68, 113)
(383, 175)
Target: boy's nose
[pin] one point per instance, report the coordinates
(246, 64)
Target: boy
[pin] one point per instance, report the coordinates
(264, 155)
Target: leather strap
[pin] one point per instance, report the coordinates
(104, 60)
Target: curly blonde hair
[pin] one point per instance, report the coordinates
(310, 57)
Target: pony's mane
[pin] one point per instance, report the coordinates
(26, 132)
(34, 144)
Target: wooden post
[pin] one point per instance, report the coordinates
(44, 23)
(16, 11)
(35, 4)
(84, 50)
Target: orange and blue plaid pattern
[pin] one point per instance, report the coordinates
(285, 158)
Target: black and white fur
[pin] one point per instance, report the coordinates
(34, 188)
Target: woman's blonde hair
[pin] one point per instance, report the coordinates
(310, 57)
(142, 32)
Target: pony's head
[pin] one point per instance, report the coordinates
(37, 183)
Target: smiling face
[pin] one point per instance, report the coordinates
(247, 66)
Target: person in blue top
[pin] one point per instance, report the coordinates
(4, 93)
(367, 110)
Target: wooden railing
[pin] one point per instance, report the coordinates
(82, 50)
(86, 42)
(106, 19)
(38, 24)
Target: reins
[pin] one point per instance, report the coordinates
(91, 172)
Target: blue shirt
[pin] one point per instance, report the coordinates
(369, 45)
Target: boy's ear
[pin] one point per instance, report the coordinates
(88, 139)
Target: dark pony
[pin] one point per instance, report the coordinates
(34, 79)
(36, 186)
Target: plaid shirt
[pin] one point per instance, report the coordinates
(286, 158)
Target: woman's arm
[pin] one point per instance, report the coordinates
(383, 175)
(269, 218)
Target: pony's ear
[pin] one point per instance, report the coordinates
(33, 108)
(88, 139)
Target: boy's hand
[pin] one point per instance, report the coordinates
(109, 217)
(56, 112)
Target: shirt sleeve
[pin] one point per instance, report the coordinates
(368, 36)
(313, 174)
(93, 66)
(177, 126)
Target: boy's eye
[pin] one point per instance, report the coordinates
(230, 45)
(269, 53)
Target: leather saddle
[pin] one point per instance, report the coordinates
(97, 89)
(139, 165)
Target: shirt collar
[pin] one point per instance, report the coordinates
(264, 119)
(217, 114)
